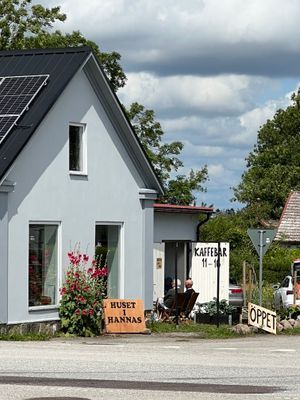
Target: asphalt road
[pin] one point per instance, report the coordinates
(151, 367)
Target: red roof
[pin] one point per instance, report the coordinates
(171, 208)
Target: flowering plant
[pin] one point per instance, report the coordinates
(81, 296)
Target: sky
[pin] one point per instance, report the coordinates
(213, 71)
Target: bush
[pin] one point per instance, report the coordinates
(211, 307)
(267, 296)
(82, 294)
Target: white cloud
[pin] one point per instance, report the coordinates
(202, 150)
(208, 36)
(229, 21)
(215, 170)
(219, 95)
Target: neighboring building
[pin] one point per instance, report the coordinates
(72, 173)
(288, 232)
(175, 224)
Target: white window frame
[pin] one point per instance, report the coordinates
(83, 149)
(59, 266)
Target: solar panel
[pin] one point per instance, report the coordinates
(16, 94)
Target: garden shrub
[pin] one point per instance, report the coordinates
(82, 293)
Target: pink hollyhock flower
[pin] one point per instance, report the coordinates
(63, 291)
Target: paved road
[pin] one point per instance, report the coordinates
(152, 367)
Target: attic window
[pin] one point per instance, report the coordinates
(76, 148)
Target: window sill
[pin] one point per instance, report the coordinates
(78, 173)
(43, 308)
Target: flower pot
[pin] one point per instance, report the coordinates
(203, 318)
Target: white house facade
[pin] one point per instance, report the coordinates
(79, 180)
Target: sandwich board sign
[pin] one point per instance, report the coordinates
(262, 318)
(124, 316)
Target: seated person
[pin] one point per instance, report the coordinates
(187, 294)
(188, 289)
(168, 283)
(168, 300)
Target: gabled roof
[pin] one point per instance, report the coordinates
(289, 224)
(61, 65)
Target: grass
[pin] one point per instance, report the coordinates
(202, 331)
(290, 332)
(24, 337)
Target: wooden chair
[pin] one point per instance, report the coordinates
(168, 313)
(186, 309)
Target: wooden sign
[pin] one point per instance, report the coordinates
(262, 318)
(124, 316)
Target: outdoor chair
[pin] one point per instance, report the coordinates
(187, 308)
(167, 314)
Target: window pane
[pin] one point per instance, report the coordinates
(43, 266)
(75, 148)
(107, 253)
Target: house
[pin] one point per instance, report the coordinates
(288, 232)
(72, 174)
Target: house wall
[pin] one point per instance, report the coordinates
(173, 226)
(3, 256)
(45, 191)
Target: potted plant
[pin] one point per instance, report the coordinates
(207, 312)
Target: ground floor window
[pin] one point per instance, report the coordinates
(107, 240)
(43, 264)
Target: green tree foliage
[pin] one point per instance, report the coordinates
(277, 262)
(181, 190)
(232, 228)
(178, 190)
(273, 167)
(163, 156)
(20, 19)
(27, 26)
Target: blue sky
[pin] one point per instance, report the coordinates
(213, 71)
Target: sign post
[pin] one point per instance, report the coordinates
(218, 284)
(261, 240)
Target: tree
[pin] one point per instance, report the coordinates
(273, 167)
(163, 156)
(27, 26)
(232, 228)
(181, 190)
